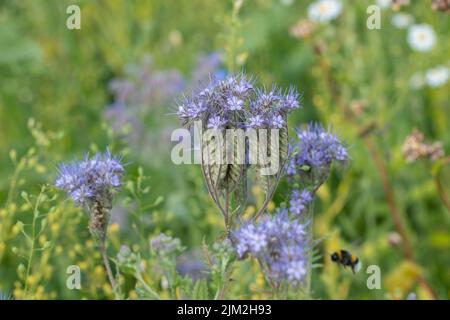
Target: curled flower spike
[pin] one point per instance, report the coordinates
(91, 183)
(236, 100)
(300, 201)
(279, 244)
(317, 150)
(238, 105)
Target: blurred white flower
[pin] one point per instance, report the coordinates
(402, 20)
(421, 37)
(437, 77)
(384, 4)
(417, 81)
(324, 10)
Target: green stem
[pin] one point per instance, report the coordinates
(139, 278)
(107, 265)
(33, 241)
(437, 180)
(30, 259)
(310, 249)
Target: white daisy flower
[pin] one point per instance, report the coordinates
(437, 77)
(324, 11)
(402, 20)
(384, 4)
(421, 37)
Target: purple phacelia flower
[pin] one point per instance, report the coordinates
(296, 270)
(91, 180)
(256, 121)
(250, 240)
(300, 201)
(267, 100)
(317, 150)
(280, 245)
(277, 122)
(216, 122)
(237, 100)
(192, 110)
(235, 104)
(242, 87)
(291, 101)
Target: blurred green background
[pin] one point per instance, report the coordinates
(56, 89)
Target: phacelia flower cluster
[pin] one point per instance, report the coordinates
(279, 244)
(235, 102)
(91, 183)
(91, 180)
(300, 201)
(315, 152)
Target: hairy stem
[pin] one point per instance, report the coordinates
(227, 212)
(139, 278)
(310, 240)
(107, 265)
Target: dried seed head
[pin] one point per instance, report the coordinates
(441, 5)
(358, 107)
(415, 148)
(302, 29)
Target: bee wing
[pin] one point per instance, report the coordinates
(357, 266)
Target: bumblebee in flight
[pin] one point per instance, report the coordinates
(345, 258)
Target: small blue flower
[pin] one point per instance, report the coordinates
(256, 121)
(91, 180)
(296, 270)
(299, 201)
(257, 107)
(280, 245)
(216, 122)
(243, 87)
(317, 150)
(234, 103)
(250, 240)
(277, 122)
(291, 101)
(192, 110)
